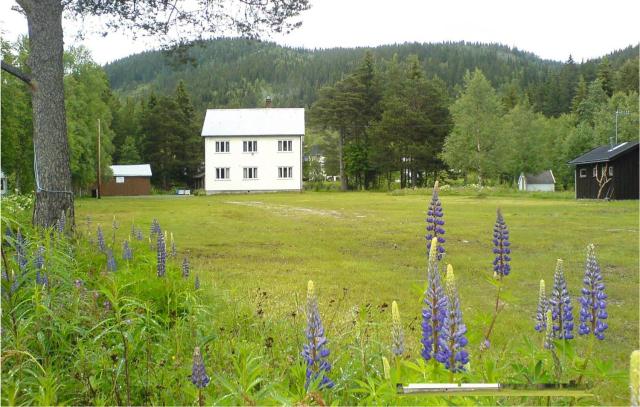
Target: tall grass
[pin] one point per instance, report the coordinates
(90, 336)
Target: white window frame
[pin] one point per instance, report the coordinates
(249, 173)
(222, 146)
(223, 173)
(285, 172)
(611, 171)
(250, 146)
(119, 180)
(583, 173)
(594, 172)
(285, 146)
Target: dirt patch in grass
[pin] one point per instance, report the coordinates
(286, 210)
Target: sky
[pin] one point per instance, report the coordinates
(551, 29)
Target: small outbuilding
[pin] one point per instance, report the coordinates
(128, 180)
(608, 172)
(544, 181)
(4, 183)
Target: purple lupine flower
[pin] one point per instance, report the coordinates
(501, 266)
(543, 306)
(21, 251)
(78, 283)
(435, 223)
(315, 352)
(101, 245)
(155, 227)
(39, 259)
(397, 334)
(8, 237)
(434, 312)
(199, 376)
(39, 263)
(196, 283)
(139, 234)
(127, 253)
(560, 303)
(456, 357)
(161, 256)
(61, 222)
(111, 261)
(593, 310)
(185, 267)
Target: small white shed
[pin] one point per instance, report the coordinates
(4, 184)
(544, 181)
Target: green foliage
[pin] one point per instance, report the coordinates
(475, 142)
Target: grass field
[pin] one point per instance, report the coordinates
(369, 249)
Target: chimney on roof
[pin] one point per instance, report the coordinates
(267, 102)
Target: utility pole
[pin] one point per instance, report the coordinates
(99, 191)
(619, 113)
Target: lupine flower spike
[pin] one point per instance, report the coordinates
(199, 376)
(454, 328)
(21, 251)
(548, 334)
(435, 223)
(39, 263)
(543, 305)
(501, 266)
(174, 252)
(196, 284)
(185, 267)
(101, 244)
(386, 368)
(161, 255)
(593, 310)
(315, 351)
(560, 303)
(111, 261)
(60, 223)
(634, 378)
(435, 310)
(127, 254)
(397, 334)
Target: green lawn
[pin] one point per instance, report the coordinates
(369, 248)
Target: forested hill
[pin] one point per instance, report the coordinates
(240, 73)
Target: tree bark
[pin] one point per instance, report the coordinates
(51, 147)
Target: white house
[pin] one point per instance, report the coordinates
(249, 150)
(544, 181)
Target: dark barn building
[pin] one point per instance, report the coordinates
(128, 180)
(608, 172)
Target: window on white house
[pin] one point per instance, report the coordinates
(595, 171)
(250, 146)
(250, 172)
(285, 145)
(285, 172)
(611, 171)
(583, 173)
(222, 173)
(119, 180)
(222, 146)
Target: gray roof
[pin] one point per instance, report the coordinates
(133, 170)
(605, 153)
(545, 177)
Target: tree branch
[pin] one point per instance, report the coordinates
(19, 74)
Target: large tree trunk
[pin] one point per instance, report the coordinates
(53, 174)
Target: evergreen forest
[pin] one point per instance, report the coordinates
(401, 114)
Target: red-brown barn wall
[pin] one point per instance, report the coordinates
(131, 186)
